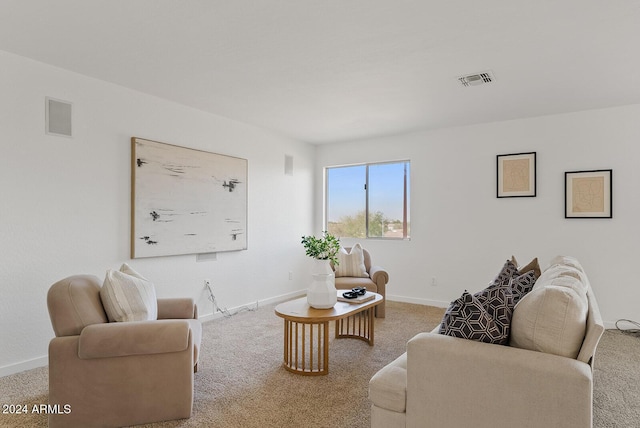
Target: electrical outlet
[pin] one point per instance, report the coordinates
(207, 283)
(290, 275)
(434, 281)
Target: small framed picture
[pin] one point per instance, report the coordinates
(516, 175)
(588, 194)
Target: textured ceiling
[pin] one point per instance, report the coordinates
(332, 70)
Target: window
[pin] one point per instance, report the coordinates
(368, 201)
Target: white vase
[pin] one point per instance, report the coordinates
(322, 293)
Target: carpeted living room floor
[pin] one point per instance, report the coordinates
(241, 382)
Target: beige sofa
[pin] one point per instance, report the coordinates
(111, 374)
(444, 381)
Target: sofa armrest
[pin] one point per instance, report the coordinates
(459, 382)
(177, 308)
(379, 276)
(133, 338)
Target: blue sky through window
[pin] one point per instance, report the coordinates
(346, 194)
(345, 191)
(386, 189)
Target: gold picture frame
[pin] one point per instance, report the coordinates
(588, 194)
(516, 175)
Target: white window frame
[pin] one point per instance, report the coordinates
(406, 197)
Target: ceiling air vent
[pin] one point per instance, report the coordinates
(476, 79)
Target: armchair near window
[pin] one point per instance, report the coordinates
(374, 278)
(118, 373)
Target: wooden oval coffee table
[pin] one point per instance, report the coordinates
(306, 331)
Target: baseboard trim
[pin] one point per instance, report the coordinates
(610, 325)
(418, 301)
(34, 363)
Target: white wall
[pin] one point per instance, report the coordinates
(65, 203)
(461, 233)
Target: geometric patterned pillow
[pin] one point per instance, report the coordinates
(522, 284)
(467, 318)
(486, 315)
(508, 271)
(498, 301)
(522, 281)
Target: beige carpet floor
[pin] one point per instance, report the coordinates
(241, 383)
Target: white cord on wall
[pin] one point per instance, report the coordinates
(631, 331)
(225, 311)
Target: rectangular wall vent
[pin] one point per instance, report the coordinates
(58, 115)
(476, 79)
(288, 165)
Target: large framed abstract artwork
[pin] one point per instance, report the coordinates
(588, 194)
(186, 201)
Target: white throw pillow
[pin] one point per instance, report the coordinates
(128, 296)
(550, 319)
(351, 263)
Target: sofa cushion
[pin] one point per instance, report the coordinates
(550, 319)
(351, 263)
(128, 296)
(566, 261)
(388, 387)
(557, 271)
(467, 318)
(349, 282)
(573, 283)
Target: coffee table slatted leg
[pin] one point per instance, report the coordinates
(370, 325)
(287, 324)
(311, 345)
(297, 336)
(358, 326)
(306, 347)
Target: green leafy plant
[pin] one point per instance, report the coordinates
(325, 248)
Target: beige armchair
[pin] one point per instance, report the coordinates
(376, 282)
(120, 373)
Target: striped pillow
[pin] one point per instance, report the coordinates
(128, 296)
(351, 263)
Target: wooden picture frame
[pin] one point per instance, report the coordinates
(516, 175)
(186, 201)
(588, 194)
